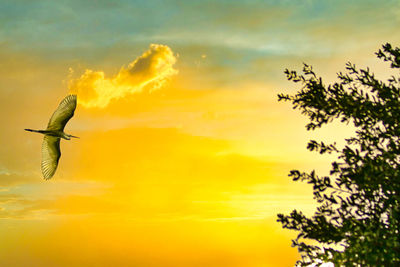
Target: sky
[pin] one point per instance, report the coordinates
(184, 149)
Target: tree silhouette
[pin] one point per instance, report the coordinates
(357, 222)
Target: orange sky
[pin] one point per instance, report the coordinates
(184, 150)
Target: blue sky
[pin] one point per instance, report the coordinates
(269, 27)
(233, 34)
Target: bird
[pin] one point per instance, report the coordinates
(54, 132)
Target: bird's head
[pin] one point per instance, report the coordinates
(71, 136)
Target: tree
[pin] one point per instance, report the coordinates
(357, 221)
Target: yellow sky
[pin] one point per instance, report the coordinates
(167, 177)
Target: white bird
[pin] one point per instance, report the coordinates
(55, 130)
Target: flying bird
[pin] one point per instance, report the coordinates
(55, 131)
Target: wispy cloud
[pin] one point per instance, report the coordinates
(150, 71)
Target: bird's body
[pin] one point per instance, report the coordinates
(58, 134)
(55, 131)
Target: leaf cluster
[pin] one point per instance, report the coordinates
(357, 222)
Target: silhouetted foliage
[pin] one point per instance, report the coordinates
(357, 222)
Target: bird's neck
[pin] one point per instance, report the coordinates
(66, 136)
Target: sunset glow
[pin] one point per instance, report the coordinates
(184, 150)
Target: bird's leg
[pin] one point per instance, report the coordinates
(35, 131)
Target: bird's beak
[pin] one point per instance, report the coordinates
(74, 136)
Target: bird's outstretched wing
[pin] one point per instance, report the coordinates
(50, 155)
(63, 113)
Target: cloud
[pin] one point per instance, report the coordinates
(15, 178)
(150, 71)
